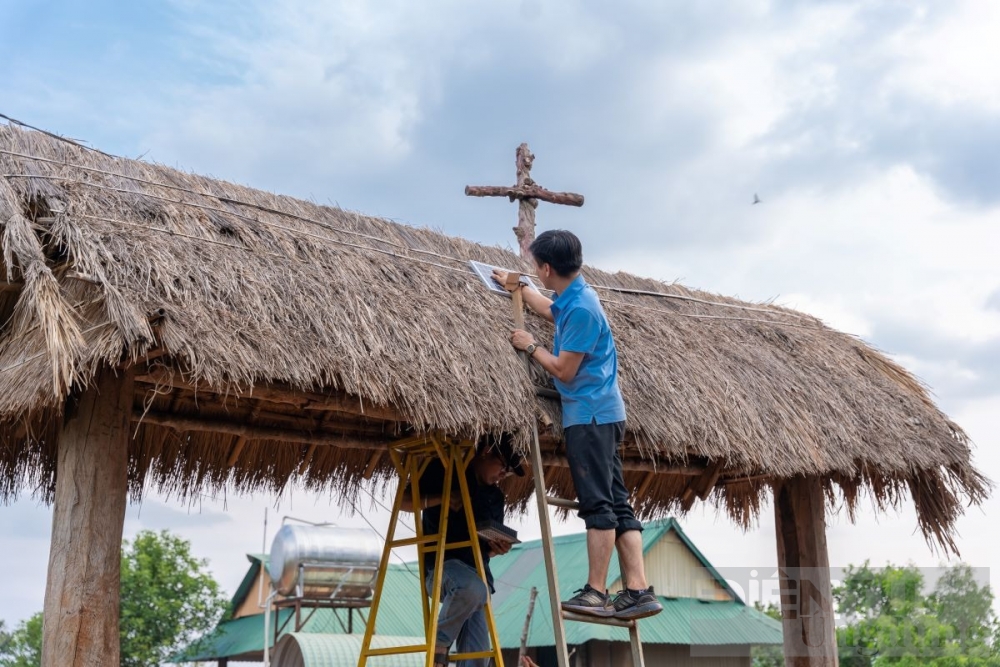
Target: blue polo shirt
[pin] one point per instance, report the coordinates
(582, 326)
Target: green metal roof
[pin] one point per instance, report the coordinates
(684, 621)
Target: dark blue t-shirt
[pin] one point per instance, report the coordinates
(487, 503)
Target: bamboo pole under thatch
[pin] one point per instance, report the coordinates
(247, 296)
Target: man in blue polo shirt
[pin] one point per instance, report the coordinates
(584, 365)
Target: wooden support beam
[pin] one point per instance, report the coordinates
(647, 481)
(514, 192)
(10, 287)
(241, 441)
(234, 455)
(80, 626)
(253, 432)
(375, 440)
(632, 464)
(372, 464)
(804, 573)
(702, 485)
(303, 400)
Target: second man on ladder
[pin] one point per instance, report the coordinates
(463, 596)
(584, 365)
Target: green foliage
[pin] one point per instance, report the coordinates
(961, 603)
(768, 656)
(167, 602)
(890, 621)
(23, 646)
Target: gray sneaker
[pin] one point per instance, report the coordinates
(590, 601)
(631, 605)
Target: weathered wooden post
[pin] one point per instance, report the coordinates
(804, 573)
(527, 194)
(82, 592)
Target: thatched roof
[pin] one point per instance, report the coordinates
(353, 330)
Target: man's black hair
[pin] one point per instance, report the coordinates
(559, 249)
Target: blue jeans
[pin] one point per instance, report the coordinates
(462, 617)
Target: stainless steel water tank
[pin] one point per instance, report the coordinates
(337, 562)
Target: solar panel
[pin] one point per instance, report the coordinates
(485, 273)
(496, 531)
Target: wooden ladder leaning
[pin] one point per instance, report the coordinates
(411, 456)
(548, 549)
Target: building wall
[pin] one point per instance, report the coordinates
(675, 572)
(251, 605)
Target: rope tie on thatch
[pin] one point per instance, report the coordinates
(222, 198)
(54, 136)
(463, 271)
(470, 274)
(340, 230)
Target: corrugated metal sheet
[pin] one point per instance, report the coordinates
(303, 649)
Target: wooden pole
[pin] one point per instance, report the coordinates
(804, 573)
(527, 625)
(548, 550)
(80, 627)
(525, 230)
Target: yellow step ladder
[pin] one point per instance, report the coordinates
(411, 456)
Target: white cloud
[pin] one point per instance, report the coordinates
(951, 59)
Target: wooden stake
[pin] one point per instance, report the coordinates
(80, 627)
(527, 625)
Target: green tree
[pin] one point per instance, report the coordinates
(23, 646)
(168, 600)
(768, 656)
(965, 605)
(890, 621)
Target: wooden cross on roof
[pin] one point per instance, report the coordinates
(527, 193)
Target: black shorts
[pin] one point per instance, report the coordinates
(596, 467)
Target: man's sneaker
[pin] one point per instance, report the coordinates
(631, 605)
(590, 601)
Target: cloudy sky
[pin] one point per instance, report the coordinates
(869, 130)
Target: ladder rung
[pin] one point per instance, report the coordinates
(471, 656)
(450, 545)
(597, 620)
(562, 502)
(394, 650)
(410, 541)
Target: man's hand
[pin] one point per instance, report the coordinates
(499, 547)
(500, 276)
(521, 339)
(528, 662)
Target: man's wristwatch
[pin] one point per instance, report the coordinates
(531, 349)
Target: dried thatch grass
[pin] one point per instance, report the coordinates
(239, 287)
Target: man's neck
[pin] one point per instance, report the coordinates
(559, 283)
